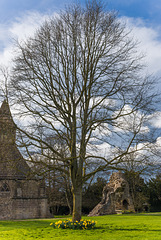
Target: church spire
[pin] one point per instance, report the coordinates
(5, 111)
(7, 125)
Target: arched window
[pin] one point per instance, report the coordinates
(5, 188)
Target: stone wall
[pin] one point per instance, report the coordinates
(22, 199)
(22, 196)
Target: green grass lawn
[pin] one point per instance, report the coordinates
(111, 227)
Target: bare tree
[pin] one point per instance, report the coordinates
(57, 182)
(79, 79)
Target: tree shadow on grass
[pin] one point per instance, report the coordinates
(115, 228)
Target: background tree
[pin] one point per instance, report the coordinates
(58, 184)
(138, 191)
(92, 194)
(154, 193)
(79, 79)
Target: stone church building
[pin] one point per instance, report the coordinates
(21, 196)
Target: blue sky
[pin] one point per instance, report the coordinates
(141, 14)
(20, 18)
(149, 10)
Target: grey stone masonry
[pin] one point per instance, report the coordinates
(22, 196)
(115, 197)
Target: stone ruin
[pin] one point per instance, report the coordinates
(115, 197)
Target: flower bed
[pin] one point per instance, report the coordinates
(83, 224)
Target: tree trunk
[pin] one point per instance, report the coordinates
(68, 202)
(77, 204)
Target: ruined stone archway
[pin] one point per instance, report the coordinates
(116, 197)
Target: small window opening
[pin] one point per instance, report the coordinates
(5, 188)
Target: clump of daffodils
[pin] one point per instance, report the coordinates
(83, 224)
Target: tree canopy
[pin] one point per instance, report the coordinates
(79, 86)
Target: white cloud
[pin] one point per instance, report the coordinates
(149, 38)
(20, 29)
(130, 121)
(103, 150)
(4, 37)
(149, 42)
(25, 26)
(155, 119)
(158, 142)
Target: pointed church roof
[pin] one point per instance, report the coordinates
(5, 113)
(12, 164)
(5, 108)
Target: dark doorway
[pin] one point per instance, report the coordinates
(125, 204)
